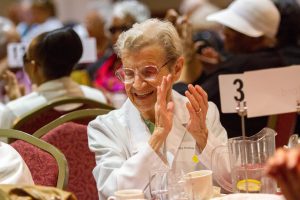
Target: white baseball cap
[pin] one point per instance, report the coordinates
(253, 18)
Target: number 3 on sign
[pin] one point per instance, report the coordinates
(231, 90)
(239, 89)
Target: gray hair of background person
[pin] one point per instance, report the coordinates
(57, 52)
(254, 18)
(5, 26)
(143, 34)
(137, 10)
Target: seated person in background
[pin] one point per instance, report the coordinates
(8, 34)
(156, 128)
(124, 15)
(41, 18)
(250, 28)
(48, 62)
(284, 167)
(288, 34)
(13, 169)
(95, 25)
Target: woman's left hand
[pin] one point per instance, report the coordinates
(197, 107)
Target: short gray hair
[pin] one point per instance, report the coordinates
(151, 31)
(135, 9)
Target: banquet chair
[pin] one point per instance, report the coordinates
(48, 166)
(32, 121)
(79, 116)
(71, 139)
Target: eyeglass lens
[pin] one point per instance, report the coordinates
(147, 73)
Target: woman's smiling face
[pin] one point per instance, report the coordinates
(143, 93)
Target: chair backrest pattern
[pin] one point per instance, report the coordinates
(46, 163)
(71, 139)
(79, 116)
(44, 114)
(43, 167)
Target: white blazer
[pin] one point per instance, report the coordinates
(124, 158)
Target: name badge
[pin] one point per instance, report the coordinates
(186, 151)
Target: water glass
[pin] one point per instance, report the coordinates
(176, 185)
(158, 182)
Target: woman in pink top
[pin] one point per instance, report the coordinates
(125, 14)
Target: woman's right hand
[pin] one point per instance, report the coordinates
(163, 114)
(209, 55)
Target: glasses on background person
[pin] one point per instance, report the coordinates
(147, 73)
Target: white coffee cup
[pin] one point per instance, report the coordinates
(127, 194)
(199, 185)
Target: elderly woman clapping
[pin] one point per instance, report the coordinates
(156, 128)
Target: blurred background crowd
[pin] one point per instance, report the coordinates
(213, 45)
(217, 37)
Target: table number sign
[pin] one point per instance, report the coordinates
(272, 91)
(15, 52)
(89, 54)
(231, 91)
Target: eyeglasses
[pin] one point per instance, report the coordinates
(147, 73)
(115, 29)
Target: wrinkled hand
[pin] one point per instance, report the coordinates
(192, 69)
(284, 167)
(163, 114)
(210, 56)
(185, 31)
(197, 107)
(3, 66)
(12, 88)
(171, 16)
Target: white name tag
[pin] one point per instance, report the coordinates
(231, 90)
(15, 52)
(89, 54)
(186, 151)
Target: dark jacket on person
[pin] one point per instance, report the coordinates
(238, 63)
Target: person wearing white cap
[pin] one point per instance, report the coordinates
(250, 28)
(256, 21)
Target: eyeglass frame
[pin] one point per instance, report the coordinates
(134, 72)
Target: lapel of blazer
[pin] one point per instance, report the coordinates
(139, 132)
(178, 130)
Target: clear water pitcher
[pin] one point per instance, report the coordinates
(247, 161)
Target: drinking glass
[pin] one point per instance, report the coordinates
(158, 182)
(176, 185)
